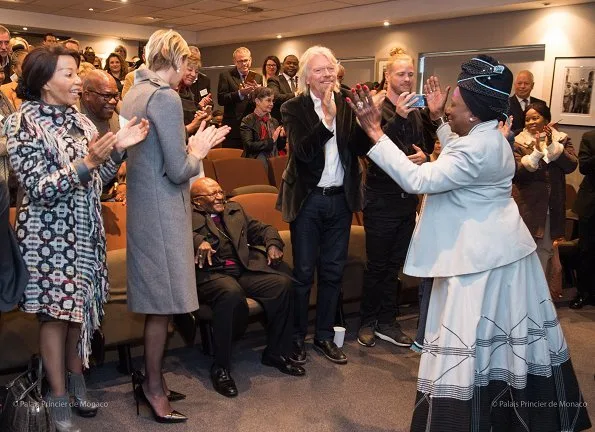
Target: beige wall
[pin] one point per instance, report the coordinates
(565, 31)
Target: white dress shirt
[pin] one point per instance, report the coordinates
(332, 174)
(521, 103)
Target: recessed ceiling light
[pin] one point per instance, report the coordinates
(91, 9)
(25, 28)
(386, 23)
(279, 36)
(151, 18)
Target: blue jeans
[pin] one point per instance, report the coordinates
(319, 239)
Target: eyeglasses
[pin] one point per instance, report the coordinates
(272, 65)
(106, 96)
(213, 194)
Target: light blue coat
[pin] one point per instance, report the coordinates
(469, 222)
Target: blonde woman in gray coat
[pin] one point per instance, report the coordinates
(160, 257)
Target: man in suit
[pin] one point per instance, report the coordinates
(584, 207)
(285, 86)
(229, 269)
(321, 188)
(201, 87)
(235, 94)
(523, 85)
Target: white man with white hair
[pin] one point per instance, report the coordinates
(235, 94)
(321, 189)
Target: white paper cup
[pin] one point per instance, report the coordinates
(339, 336)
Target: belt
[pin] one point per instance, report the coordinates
(327, 191)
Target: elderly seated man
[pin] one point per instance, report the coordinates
(230, 268)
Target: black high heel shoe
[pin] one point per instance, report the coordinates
(172, 396)
(139, 394)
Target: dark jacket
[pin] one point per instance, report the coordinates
(514, 109)
(234, 109)
(245, 233)
(254, 147)
(584, 206)
(535, 192)
(201, 87)
(416, 129)
(307, 136)
(283, 93)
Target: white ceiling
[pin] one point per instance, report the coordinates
(216, 22)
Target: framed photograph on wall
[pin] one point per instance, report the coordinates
(381, 65)
(572, 95)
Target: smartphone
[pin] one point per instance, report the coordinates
(418, 101)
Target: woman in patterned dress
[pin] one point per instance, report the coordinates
(494, 357)
(61, 165)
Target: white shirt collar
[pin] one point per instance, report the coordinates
(288, 78)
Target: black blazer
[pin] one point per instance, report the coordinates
(245, 233)
(584, 206)
(307, 136)
(253, 145)
(514, 109)
(234, 109)
(283, 93)
(202, 83)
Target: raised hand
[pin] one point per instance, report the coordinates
(403, 106)
(505, 127)
(132, 133)
(368, 114)
(418, 157)
(100, 149)
(329, 108)
(436, 97)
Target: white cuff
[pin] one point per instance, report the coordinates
(531, 162)
(554, 150)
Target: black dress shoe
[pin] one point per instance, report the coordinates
(331, 351)
(283, 364)
(223, 382)
(298, 356)
(581, 301)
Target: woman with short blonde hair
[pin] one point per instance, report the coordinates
(160, 256)
(166, 48)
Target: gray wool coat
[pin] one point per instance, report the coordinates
(160, 257)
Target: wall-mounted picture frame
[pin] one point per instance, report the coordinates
(571, 101)
(381, 65)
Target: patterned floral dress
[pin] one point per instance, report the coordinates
(59, 225)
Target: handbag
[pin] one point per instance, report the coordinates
(23, 408)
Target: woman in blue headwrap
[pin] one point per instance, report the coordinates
(494, 357)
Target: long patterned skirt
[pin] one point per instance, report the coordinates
(494, 357)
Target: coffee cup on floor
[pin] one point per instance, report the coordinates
(339, 336)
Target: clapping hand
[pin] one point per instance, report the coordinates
(277, 133)
(205, 139)
(329, 108)
(207, 100)
(436, 97)
(132, 133)
(100, 149)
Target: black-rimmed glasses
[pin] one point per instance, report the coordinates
(106, 96)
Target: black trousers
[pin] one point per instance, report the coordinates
(319, 240)
(586, 246)
(227, 297)
(388, 232)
